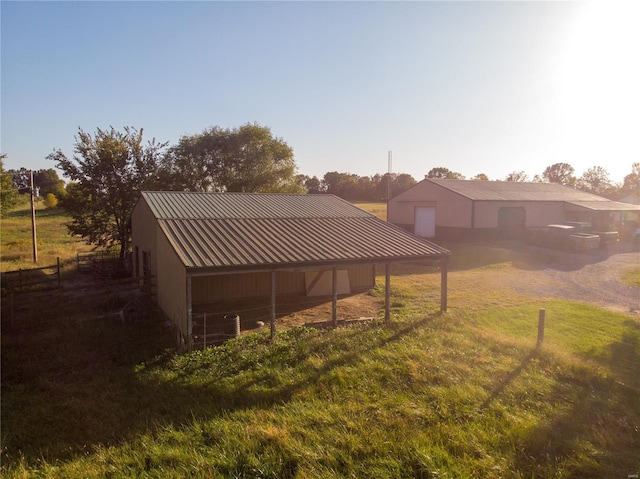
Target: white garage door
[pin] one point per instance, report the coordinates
(425, 221)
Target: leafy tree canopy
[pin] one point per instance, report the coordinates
(444, 173)
(631, 183)
(8, 191)
(517, 176)
(314, 185)
(108, 170)
(47, 181)
(244, 159)
(559, 173)
(595, 180)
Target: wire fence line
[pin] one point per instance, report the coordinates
(31, 279)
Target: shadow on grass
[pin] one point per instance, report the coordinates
(596, 431)
(595, 434)
(25, 212)
(623, 357)
(73, 382)
(510, 378)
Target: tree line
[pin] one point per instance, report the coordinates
(109, 168)
(594, 180)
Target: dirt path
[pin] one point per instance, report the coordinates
(594, 277)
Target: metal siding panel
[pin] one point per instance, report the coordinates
(171, 285)
(362, 276)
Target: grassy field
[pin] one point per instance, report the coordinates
(53, 239)
(461, 395)
(378, 209)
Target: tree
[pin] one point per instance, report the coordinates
(559, 173)
(314, 185)
(520, 176)
(109, 169)
(44, 181)
(444, 173)
(343, 185)
(403, 181)
(595, 180)
(8, 192)
(244, 159)
(481, 176)
(391, 184)
(47, 181)
(21, 179)
(631, 182)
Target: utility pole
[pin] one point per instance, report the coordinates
(390, 169)
(33, 219)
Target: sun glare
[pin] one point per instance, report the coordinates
(600, 86)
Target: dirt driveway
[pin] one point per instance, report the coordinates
(593, 277)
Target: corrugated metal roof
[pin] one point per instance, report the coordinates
(515, 191)
(194, 205)
(604, 205)
(277, 231)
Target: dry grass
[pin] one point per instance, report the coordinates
(53, 239)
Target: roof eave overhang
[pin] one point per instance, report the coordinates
(612, 207)
(310, 265)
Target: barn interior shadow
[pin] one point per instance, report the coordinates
(291, 310)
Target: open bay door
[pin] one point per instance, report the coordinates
(425, 221)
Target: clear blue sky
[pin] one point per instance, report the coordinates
(477, 87)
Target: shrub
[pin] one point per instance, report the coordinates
(50, 201)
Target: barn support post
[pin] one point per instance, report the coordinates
(273, 305)
(443, 284)
(334, 292)
(387, 291)
(189, 316)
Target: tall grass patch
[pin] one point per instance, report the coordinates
(52, 238)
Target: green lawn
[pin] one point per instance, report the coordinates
(462, 395)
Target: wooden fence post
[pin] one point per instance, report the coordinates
(541, 317)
